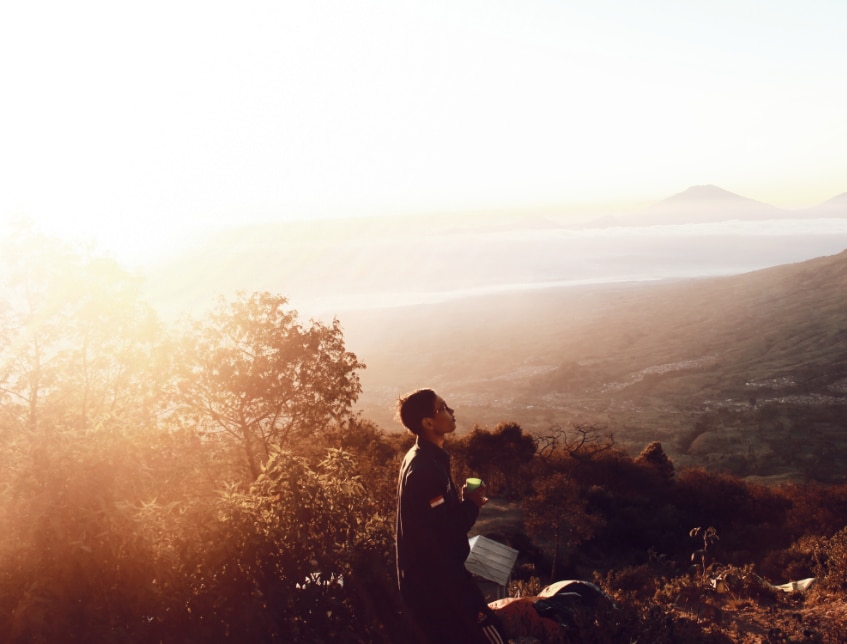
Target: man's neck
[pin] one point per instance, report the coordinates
(435, 439)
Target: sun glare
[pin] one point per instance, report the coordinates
(140, 131)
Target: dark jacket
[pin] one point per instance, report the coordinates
(432, 525)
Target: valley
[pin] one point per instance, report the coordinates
(746, 373)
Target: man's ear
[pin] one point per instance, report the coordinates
(426, 423)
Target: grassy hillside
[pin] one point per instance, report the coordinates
(719, 368)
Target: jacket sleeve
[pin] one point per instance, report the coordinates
(468, 513)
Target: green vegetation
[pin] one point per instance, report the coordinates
(212, 483)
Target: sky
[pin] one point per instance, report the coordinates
(139, 124)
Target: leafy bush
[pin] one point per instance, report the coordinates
(274, 563)
(794, 562)
(77, 562)
(831, 562)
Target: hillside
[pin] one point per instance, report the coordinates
(763, 327)
(682, 361)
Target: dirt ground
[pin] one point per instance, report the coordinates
(498, 516)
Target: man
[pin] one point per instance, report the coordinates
(433, 520)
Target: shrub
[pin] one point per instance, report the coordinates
(76, 559)
(277, 562)
(795, 562)
(831, 562)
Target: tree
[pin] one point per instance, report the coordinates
(654, 456)
(77, 341)
(36, 274)
(115, 370)
(557, 512)
(498, 456)
(376, 454)
(583, 443)
(251, 372)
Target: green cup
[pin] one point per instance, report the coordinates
(472, 484)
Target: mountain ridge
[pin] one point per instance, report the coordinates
(706, 204)
(709, 203)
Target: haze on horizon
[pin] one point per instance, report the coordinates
(142, 125)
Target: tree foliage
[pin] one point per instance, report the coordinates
(275, 562)
(251, 371)
(77, 559)
(498, 456)
(557, 512)
(124, 518)
(654, 456)
(78, 344)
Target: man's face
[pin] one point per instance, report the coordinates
(443, 420)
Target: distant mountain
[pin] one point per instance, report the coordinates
(835, 207)
(704, 204)
(712, 204)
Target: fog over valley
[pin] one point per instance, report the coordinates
(332, 266)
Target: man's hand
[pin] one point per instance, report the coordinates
(476, 495)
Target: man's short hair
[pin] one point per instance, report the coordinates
(416, 406)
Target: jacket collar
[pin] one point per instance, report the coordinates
(428, 447)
